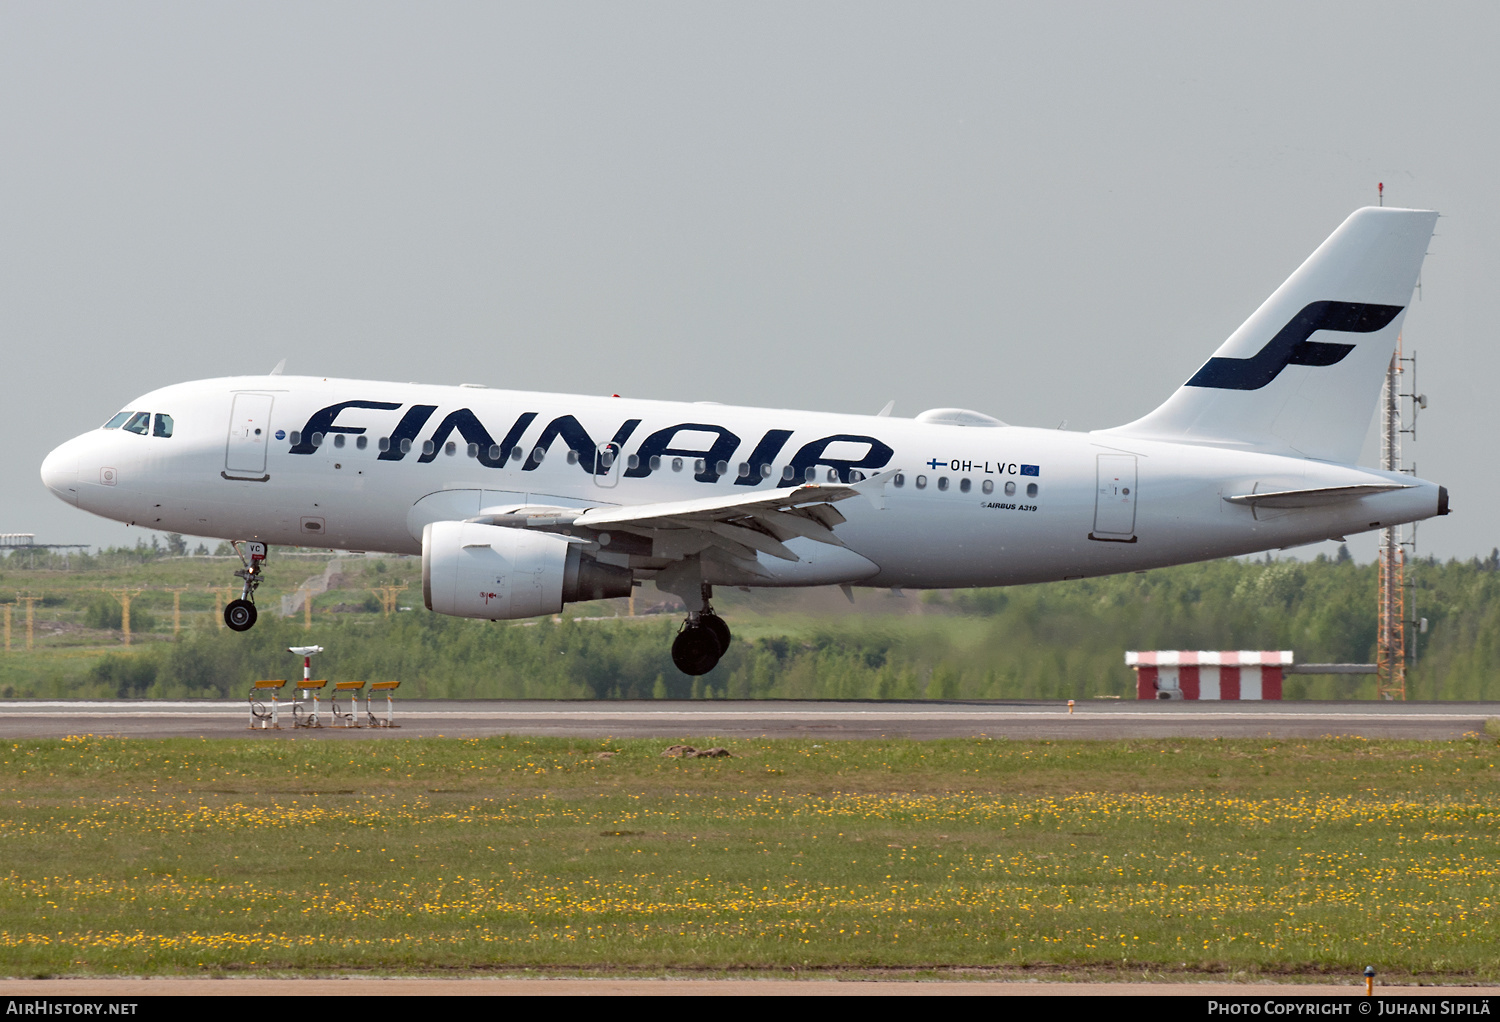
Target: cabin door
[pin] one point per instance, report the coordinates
(249, 434)
(1114, 502)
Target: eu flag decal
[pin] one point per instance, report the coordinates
(1031, 470)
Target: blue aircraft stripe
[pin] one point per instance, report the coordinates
(1291, 346)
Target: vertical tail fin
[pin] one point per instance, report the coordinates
(1303, 373)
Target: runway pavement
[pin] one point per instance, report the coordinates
(1102, 719)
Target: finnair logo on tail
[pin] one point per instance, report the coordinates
(1291, 346)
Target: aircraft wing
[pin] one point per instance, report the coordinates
(740, 525)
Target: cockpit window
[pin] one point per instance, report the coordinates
(163, 425)
(140, 423)
(118, 420)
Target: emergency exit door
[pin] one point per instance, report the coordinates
(607, 462)
(1114, 502)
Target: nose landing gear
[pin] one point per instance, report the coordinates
(701, 641)
(240, 615)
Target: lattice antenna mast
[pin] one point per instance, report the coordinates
(1390, 642)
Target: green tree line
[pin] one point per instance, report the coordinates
(1061, 640)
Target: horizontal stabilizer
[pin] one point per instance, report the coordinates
(1319, 496)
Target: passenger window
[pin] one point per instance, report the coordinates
(295, 436)
(406, 445)
(515, 454)
(898, 480)
(809, 475)
(450, 448)
(118, 420)
(699, 465)
(1010, 488)
(765, 471)
(384, 445)
(494, 452)
(833, 475)
(163, 425)
(473, 450)
(787, 474)
(921, 482)
(744, 470)
(676, 464)
(140, 422)
(317, 439)
(572, 457)
(428, 447)
(634, 461)
(989, 486)
(963, 485)
(338, 440)
(942, 482)
(722, 468)
(362, 442)
(655, 462)
(1031, 489)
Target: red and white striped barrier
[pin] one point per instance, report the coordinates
(1208, 674)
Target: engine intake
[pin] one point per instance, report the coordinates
(500, 574)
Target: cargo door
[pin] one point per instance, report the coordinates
(1114, 502)
(249, 433)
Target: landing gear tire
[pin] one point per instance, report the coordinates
(696, 650)
(240, 615)
(715, 624)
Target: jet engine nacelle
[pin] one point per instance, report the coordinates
(491, 572)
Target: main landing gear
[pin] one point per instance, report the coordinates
(240, 614)
(701, 641)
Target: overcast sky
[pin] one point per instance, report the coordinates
(1046, 212)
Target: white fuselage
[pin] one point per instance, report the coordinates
(962, 505)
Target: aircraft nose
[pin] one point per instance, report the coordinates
(60, 472)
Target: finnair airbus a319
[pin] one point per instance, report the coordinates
(522, 502)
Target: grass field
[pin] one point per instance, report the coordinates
(1303, 859)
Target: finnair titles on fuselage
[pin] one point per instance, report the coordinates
(520, 502)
